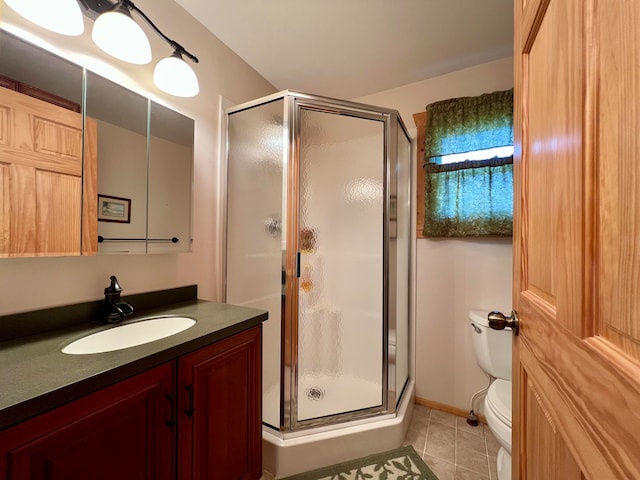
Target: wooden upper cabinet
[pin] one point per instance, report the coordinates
(41, 175)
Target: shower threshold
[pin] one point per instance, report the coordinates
(290, 453)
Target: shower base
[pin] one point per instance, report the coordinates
(323, 395)
(292, 453)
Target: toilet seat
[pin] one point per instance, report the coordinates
(498, 412)
(499, 399)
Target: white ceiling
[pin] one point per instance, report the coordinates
(352, 48)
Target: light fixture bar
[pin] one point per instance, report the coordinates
(172, 75)
(97, 7)
(175, 45)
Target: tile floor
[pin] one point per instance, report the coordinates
(453, 449)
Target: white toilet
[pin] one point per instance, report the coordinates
(493, 353)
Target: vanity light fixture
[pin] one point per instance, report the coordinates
(174, 76)
(116, 32)
(63, 16)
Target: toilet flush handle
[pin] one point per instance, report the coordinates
(498, 321)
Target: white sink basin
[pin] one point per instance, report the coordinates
(129, 335)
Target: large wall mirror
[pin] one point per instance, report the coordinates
(41, 197)
(122, 124)
(170, 180)
(114, 180)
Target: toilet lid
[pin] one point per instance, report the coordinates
(499, 400)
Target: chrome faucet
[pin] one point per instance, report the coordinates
(115, 310)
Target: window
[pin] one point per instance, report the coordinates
(500, 152)
(468, 171)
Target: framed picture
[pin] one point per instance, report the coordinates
(114, 209)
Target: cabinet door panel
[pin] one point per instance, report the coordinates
(117, 433)
(41, 153)
(57, 203)
(221, 439)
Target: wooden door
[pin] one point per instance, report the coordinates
(577, 240)
(220, 410)
(123, 432)
(41, 175)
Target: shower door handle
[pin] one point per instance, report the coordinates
(498, 321)
(297, 264)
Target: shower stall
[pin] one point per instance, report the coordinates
(318, 233)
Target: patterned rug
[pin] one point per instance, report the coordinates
(400, 464)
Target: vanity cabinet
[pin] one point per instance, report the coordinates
(137, 430)
(118, 432)
(220, 419)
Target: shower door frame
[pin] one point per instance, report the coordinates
(294, 104)
(393, 124)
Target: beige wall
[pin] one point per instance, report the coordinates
(32, 283)
(452, 276)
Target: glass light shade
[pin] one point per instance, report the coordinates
(116, 33)
(173, 76)
(63, 16)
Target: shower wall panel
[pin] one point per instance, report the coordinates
(399, 261)
(254, 230)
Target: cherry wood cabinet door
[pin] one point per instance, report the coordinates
(220, 410)
(123, 432)
(576, 362)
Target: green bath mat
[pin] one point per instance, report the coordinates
(399, 464)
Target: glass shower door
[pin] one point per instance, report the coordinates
(340, 298)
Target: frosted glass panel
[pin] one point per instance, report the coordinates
(340, 309)
(254, 235)
(401, 215)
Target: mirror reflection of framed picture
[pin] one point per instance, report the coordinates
(393, 216)
(393, 207)
(114, 209)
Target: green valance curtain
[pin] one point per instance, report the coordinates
(473, 197)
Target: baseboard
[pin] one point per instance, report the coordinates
(459, 412)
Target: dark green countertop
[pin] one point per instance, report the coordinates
(35, 376)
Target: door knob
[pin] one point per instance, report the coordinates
(498, 321)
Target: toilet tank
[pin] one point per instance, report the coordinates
(491, 347)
